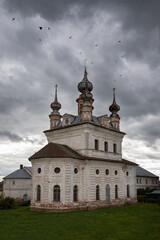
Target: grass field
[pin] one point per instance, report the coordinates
(134, 222)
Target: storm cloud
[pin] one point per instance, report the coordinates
(120, 40)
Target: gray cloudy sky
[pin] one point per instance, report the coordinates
(32, 61)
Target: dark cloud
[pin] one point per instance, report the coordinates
(13, 137)
(128, 37)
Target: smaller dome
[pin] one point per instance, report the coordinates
(85, 83)
(55, 105)
(114, 108)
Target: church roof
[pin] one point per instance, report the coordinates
(54, 150)
(141, 172)
(18, 174)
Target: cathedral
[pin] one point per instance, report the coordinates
(81, 167)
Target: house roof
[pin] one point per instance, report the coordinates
(54, 150)
(18, 174)
(141, 172)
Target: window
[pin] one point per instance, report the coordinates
(75, 170)
(106, 146)
(75, 193)
(140, 180)
(97, 192)
(57, 170)
(38, 193)
(127, 173)
(116, 191)
(114, 147)
(97, 171)
(107, 172)
(96, 144)
(116, 172)
(13, 182)
(39, 170)
(137, 180)
(56, 193)
(146, 181)
(128, 191)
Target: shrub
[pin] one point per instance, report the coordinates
(7, 203)
(142, 198)
(158, 201)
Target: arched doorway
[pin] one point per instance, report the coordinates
(107, 194)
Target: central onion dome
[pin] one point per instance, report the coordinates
(114, 108)
(55, 105)
(85, 83)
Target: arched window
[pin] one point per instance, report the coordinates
(107, 193)
(116, 191)
(128, 191)
(96, 144)
(56, 193)
(106, 146)
(97, 192)
(38, 193)
(75, 193)
(114, 147)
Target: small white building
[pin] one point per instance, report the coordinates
(17, 185)
(146, 179)
(82, 167)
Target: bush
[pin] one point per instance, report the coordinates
(158, 201)
(26, 203)
(142, 198)
(7, 203)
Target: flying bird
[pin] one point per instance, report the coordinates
(40, 39)
(40, 28)
(119, 41)
(80, 53)
(70, 37)
(91, 62)
(96, 45)
(13, 19)
(60, 18)
(121, 75)
(49, 28)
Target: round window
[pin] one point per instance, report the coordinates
(39, 170)
(116, 172)
(107, 172)
(127, 173)
(97, 171)
(57, 170)
(75, 170)
(66, 121)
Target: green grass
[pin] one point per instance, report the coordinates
(134, 222)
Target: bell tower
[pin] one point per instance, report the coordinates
(85, 99)
(114, 117)
(55, 116)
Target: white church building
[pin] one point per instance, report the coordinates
(82, 166)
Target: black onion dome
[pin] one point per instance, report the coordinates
(85, 83)
(55, 105)
(114, 108)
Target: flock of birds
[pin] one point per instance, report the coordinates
(70, 37)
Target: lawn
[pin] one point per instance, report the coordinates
(134, 222)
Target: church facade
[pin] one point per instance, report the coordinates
(82, 166)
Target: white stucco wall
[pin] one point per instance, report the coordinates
(82, 139)
(147, 182)
(86, 179)
(17, 188)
